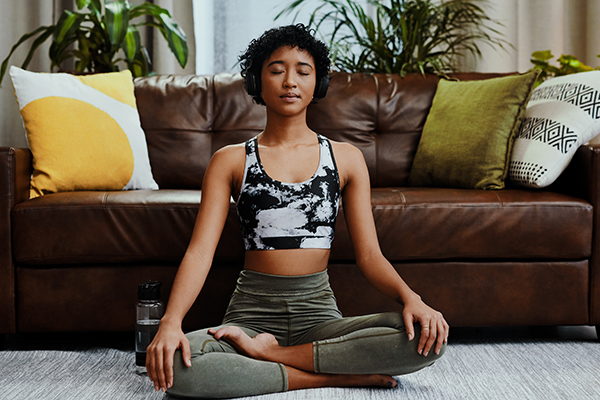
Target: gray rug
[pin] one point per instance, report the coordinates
(473, 368)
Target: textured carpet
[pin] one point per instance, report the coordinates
(544, 368)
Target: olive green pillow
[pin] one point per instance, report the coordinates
(469, 132)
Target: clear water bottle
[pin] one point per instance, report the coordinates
(149, 310)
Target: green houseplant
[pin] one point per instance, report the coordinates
(567, 65)
(404, 35)
(103, 31)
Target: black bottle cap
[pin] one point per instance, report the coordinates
(149, 290)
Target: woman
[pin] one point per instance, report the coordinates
(282, 329)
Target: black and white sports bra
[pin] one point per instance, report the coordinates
(275, 215)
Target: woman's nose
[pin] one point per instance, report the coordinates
(290, 81)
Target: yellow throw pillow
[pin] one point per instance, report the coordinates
(84, 132)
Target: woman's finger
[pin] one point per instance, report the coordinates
(186, 353)
(150, 364)
(425, 333)
(441, 336)
(168, 365)
(409, 325)
(410, 330)
(159, 371)
(431, 338)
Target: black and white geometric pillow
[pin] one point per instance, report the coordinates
(562, 114)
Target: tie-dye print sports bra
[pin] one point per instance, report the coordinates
(275, 215)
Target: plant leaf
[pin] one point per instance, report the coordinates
(96, 7)
(117, 21)
(132, 43)
(44, 31)
(81, 4)
(168, 27)
(147, 9)
(141, 65)
(542, 55)
(67, 25)
(36, 43)
(175, 37)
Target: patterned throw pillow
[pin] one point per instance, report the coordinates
(562, 114)
(84, 132)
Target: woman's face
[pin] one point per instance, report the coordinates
(288, 80)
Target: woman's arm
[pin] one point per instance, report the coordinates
(217, 188)
(356, 196)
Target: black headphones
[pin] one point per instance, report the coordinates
(253, 85)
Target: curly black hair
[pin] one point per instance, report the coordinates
(259, 50)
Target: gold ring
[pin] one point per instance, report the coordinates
(425, 327)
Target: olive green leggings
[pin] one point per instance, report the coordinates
(296, 310)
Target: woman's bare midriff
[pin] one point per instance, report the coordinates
(287, 262)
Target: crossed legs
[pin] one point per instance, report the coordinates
(232, 361)
(297, 360)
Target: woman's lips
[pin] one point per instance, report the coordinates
(290, 97)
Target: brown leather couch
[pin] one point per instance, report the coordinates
(72, 261)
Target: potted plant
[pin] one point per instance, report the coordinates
(103, 31)
(567, 65)
(404, 36)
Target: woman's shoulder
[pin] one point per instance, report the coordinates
(350, 162)
(231, 151)
(345, 152)
(229, 157)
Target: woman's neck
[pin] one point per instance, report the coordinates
(286, 129)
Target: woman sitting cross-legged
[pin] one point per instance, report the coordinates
(282, 329)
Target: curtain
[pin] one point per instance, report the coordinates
(561, 26)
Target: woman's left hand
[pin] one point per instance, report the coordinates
(434, 328)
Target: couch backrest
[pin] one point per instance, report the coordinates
(188, 118)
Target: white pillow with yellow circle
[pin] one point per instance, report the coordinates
(84, 132)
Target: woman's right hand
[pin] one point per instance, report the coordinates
(160, 354)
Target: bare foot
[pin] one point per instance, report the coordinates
(298, 379)
(377, 380)
(258, 347)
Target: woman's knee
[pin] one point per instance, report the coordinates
(226, 375)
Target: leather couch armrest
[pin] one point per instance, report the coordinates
(579, 179)
(15, 173)
(582, 178)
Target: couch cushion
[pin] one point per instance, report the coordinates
(446, 224)
(112, 227)
(468, 136)
(412, 224)
(562, 114)
(83, 131)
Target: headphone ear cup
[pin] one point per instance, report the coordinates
(321, 87)
(252, 84)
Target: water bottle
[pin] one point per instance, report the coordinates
(149, 311)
